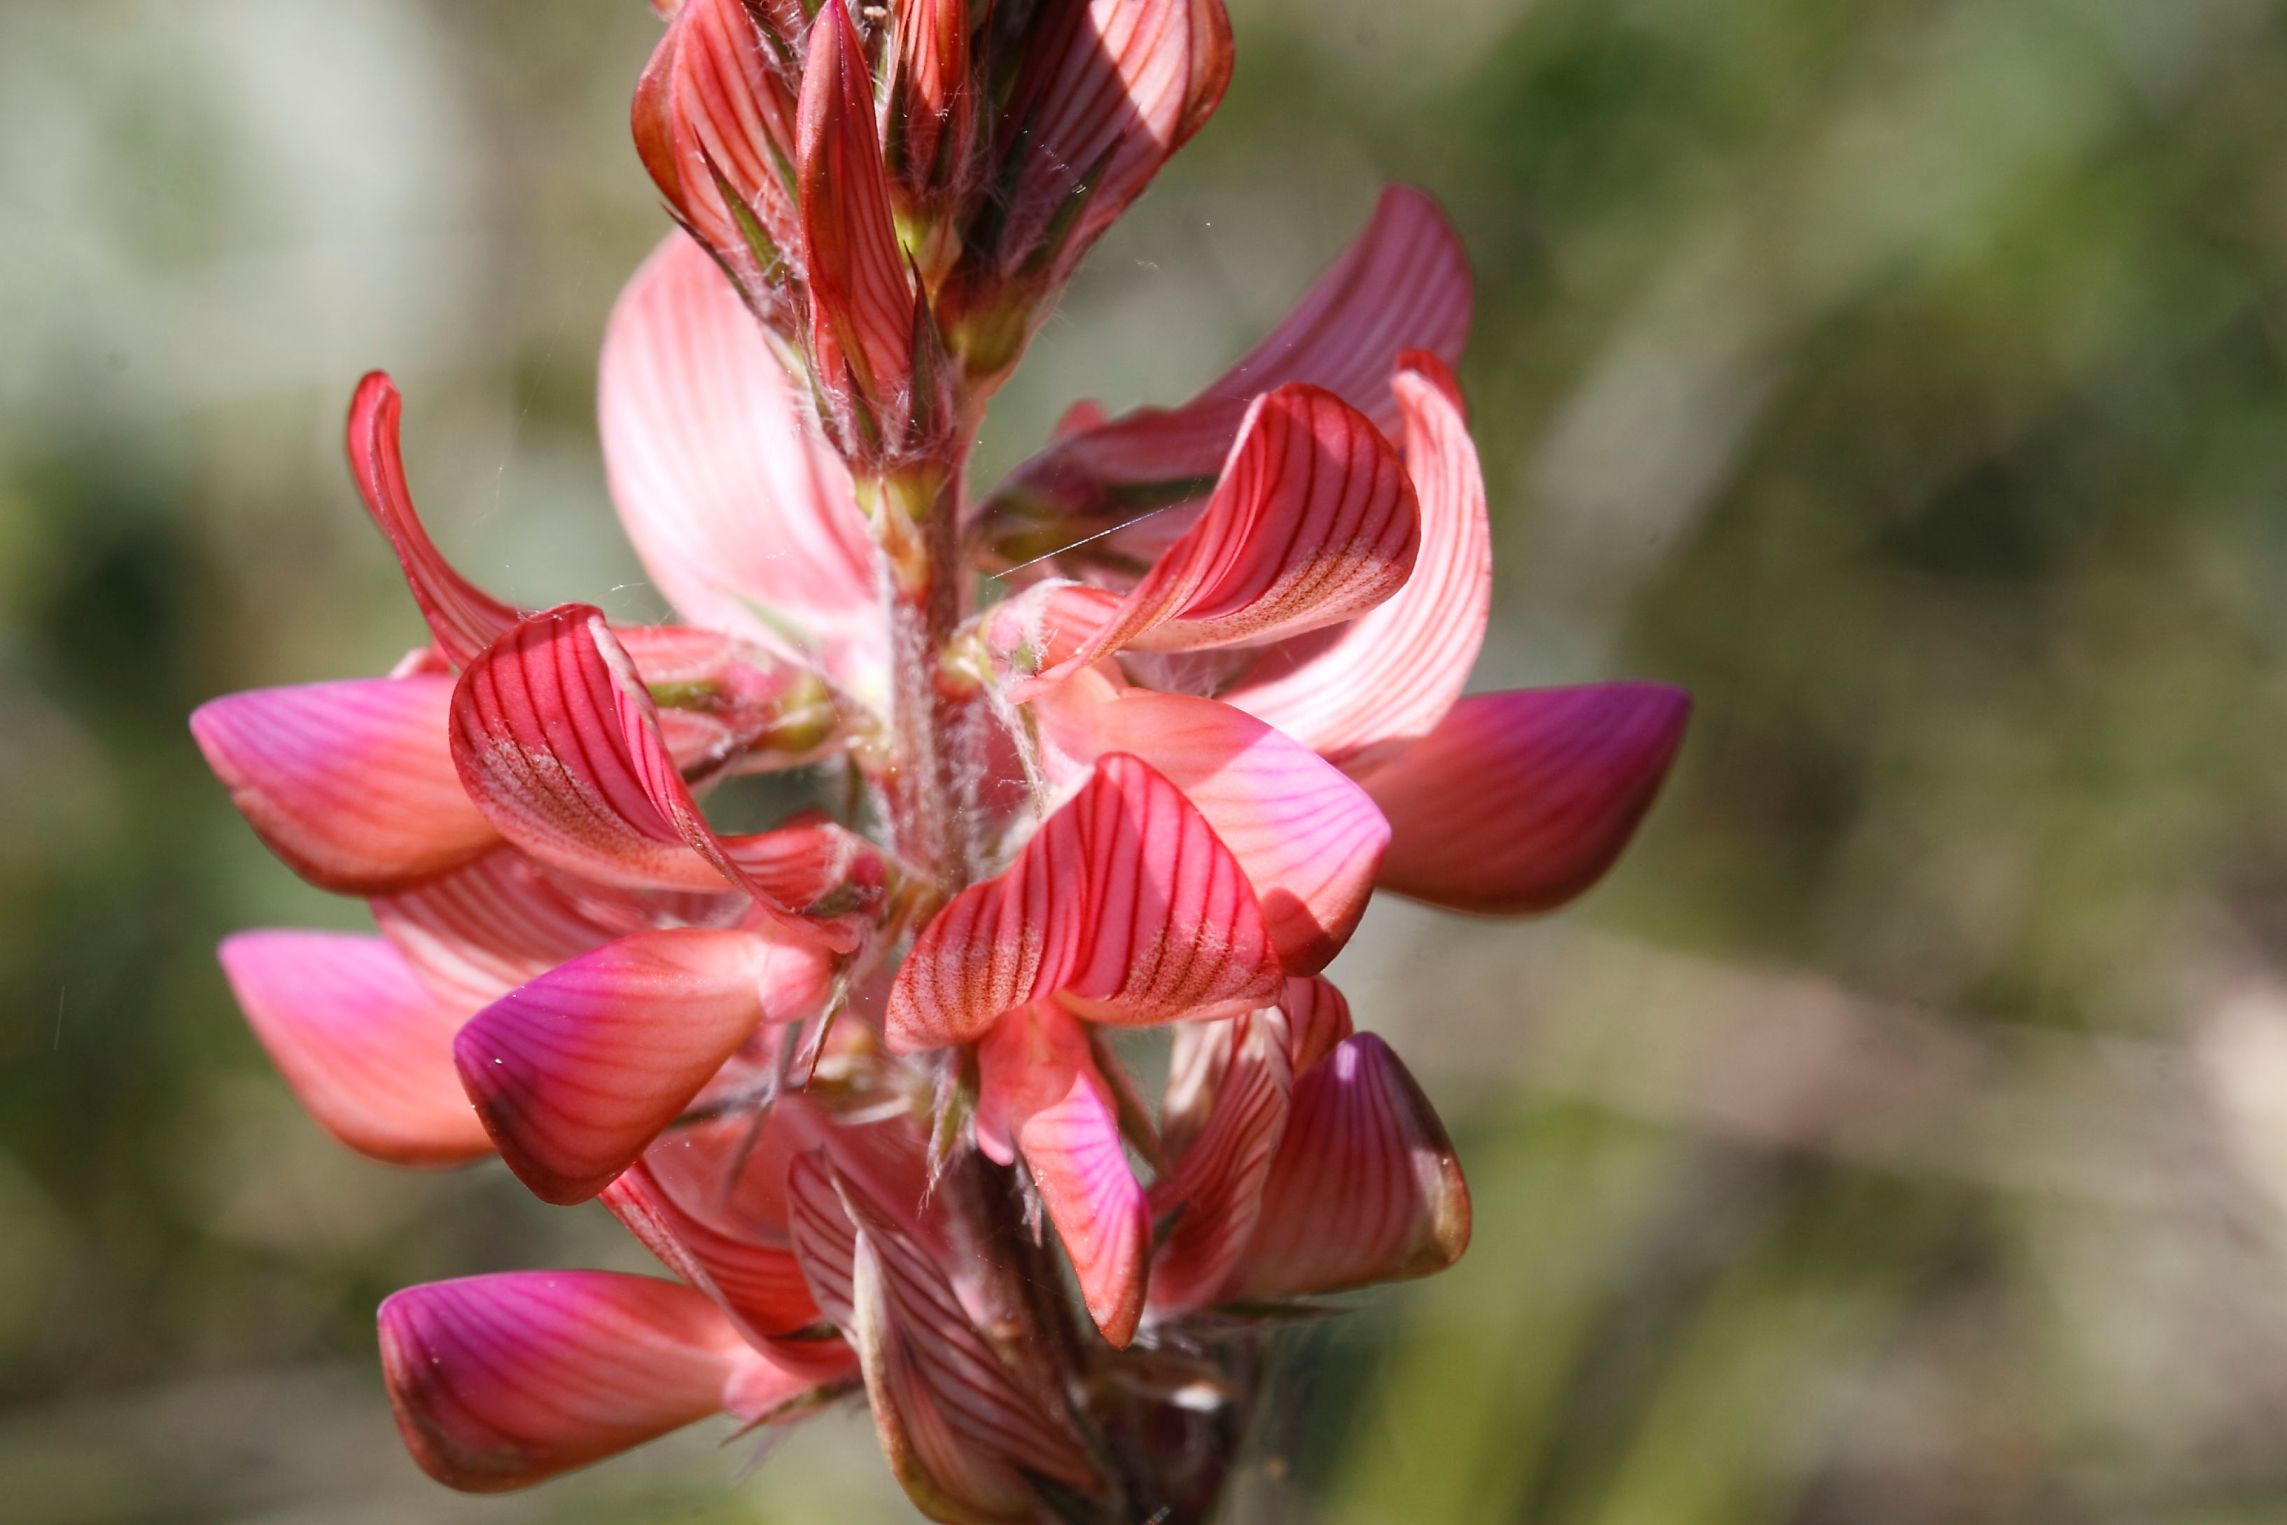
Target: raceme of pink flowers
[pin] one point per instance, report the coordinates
(855, 1079)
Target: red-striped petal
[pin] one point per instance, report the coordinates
(1389, 676)
(1365, 1187)
(1042, 1096)
(351, 783)
(462, 617)
(1123, 906)
(366, 1047)
(1402, 284)
(861, 297)
(741, 512)
(575, 1073)
(930, 121)
(558, 744)
(1313, 522)
(1215, 1185)
(714, 121)
(951, 1375)
(503, 1381)
(1519, 801)
(1308, 838)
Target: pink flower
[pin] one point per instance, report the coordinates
(851, 1078)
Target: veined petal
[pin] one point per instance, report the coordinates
(1215, 1187)
(1519, 801)
(949, 1374)
(1312, 1017)
(861, 298)
(1388, 677)
(462, 617)
(714, 124)
(367, 1049)
(1402, 284)
(1123, 906)
(477, 933)
(1308, 838)
(1108, 90)
(558, 744)
(575, 1073)
(930, 121)
(351, 783)
(1317, 1020)
(1313, 522)
(741, 512)
(1041, 1091)
(504, 1381)
(1364, 1188)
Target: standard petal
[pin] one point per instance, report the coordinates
(862, 302)
(351, 783)
(1365, 1187)
(1308, 838)
(504, 1381)
(1402, 284)
(1387, 678)
(559, 746)
(366, 1047)
(1040, 1090)
(1519, 801)
(741, 512)
(575, 1073)
(462, 617)
(1124, 906)
(1313, 522)
(932, 109)
(1214, 1190)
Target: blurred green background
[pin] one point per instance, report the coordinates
(1900, 1136)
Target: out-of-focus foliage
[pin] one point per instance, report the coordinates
(1900, 1137)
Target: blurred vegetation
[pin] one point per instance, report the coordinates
(1901, 1136)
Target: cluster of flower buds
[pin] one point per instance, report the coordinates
(855, 1079)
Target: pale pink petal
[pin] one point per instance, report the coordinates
(862, 302)
(1519, 801)
(504, 1381)
(463, 617)
(1365, 1187)
(575, 1073)
(1124, 906)
(351, 783)
(1313, 522)
(1214, 1190)
(1402, 284)
(1388, 677)
(1317, 1018)
(1040, 1090)
(1308, 838)
(741, 512)
(1311, 1018)
(558, 744)
(366, 1047)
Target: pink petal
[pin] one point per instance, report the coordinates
(948, 1381)
(1389, 676)
(1215, 1187)
(1124, 906)
(1308, 838)
(1041, 1090)
(504, 1381)
(1519, 801)
(351, 783)
(463, 617)
(1402, 284)
(1364, 1188)
(575, 1073)
(477, 933)
(932, 107)
(1108, 90)
(713, 119)
(365, 1046)
(559, 746)
(862, 304)
(1311, 1018)
(742, 514)
(1317, 1018)
(1313, 522)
